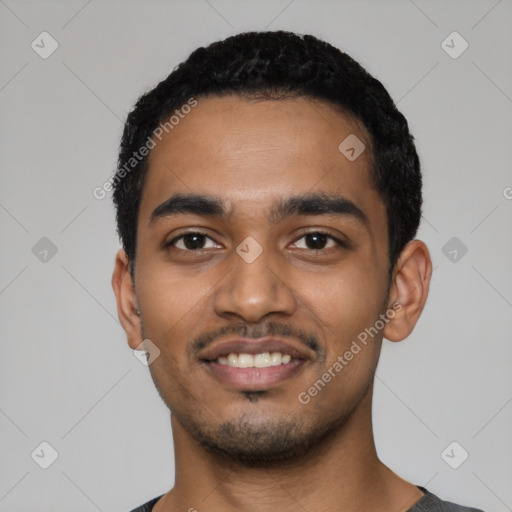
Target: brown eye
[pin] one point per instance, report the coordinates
(318, 241)
(192, 241)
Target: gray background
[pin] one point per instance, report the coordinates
(67, 375)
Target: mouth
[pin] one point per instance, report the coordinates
(249, 365)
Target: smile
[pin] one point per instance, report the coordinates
(263, 360)
(247, 376)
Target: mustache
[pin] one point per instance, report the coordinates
(270, 329)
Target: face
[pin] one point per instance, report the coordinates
(288, 243)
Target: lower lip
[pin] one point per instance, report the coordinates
(253, 379)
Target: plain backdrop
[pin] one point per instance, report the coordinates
(67, 375)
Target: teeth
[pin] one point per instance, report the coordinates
(263, 360)
(245, 360)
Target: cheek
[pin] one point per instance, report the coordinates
(170, 299)
(344, 304)
(346, 301)
(174, 305)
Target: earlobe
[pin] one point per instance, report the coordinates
(127, 307)
(409, 289)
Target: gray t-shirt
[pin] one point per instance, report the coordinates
(427, 503)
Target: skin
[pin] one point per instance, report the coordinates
(251, 154)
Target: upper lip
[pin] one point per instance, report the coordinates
(252, 346)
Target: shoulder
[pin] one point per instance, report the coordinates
(147, 507)
(427, 503)
(431, 503)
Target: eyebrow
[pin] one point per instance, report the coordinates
(307, 204)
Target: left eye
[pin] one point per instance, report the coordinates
(318, 240)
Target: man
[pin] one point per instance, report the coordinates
(268, 194)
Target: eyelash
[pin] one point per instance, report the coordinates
(338, 242)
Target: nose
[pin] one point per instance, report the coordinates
(252, 290)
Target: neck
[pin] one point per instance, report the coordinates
(344, 473)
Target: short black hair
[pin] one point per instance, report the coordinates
(277, 65)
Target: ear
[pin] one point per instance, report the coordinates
(126, 300)
(408, 290)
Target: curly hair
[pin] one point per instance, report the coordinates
(274, 65)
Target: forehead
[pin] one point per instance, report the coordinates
(252, 152)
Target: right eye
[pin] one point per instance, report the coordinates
(192, 241)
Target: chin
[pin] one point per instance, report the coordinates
(264, 444)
